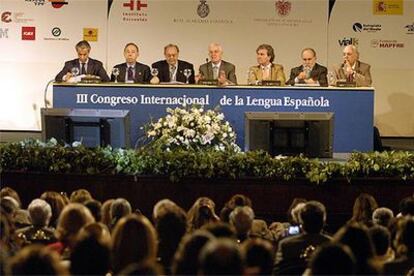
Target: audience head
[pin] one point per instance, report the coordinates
(133, 241)
(161, 207)
(83, 49)
(7, 191)
(406, 206)
(221, 230)
(97, 230)
(382, 216)
(120, 208)
(131, 52)
(95, 207)
(73, 217)
(9, 205)
(186, 259)
(237, 200)
(56, 202)
(36, 260)
(381, 239)
(202, 212)
(332, 259)
(265, 54)
(171, 52)
(80, 196)
(313, 217)
(258, 257)
(405, 236)
(221, 256)
(242, 220)
(364, 206)
(215, 51)
(40, 212)
(106, 212)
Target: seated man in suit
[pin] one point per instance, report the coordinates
(217, 69)
(266, 70)
(84, 63)
(309, 72)
(353, 70)
(132, 71)
(293, 251)
(172, 69)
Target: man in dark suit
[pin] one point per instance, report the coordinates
(172, 69)
(132, 71)
(309, 72)
(85, 64)
(353, 70)
(292, 251)
(218, 69)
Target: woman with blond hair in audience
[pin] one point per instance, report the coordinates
(57, 203)
(201, 213)
(134, 240)
(364, 205)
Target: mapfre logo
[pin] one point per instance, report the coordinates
(6, 17)
(135, 5)
(28, 33)
(4, 33)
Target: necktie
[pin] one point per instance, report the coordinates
(172, 71)
(215, 72)
(83, 70)
(130, 73)
(266, 73)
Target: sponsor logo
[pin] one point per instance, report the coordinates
(371, 28)
(135, 11)
(56, 33)
(348, 41)
(6, 17)
(37, 2)
(283, 7)
(203, 9)
(387, 7)
(410, 28)
(387, 44)
(57, 4)
(18, 17)
(4, 33)
(90, 34)
(28, 33)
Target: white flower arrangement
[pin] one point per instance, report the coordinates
(193, 128)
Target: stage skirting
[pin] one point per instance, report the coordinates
(353, 108)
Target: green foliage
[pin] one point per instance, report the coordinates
(154, 159)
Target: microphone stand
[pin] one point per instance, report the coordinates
(46, 102)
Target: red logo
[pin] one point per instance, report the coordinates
(6, 17)
(28, 33)
(57, 4)
(139, 5)
(283, 7)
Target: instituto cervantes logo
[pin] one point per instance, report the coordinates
(28, 33)
(283, 7)
(348, 41)
(4, 33)
(135, 11)
(90, 34)
(6, 17)
(203, 9)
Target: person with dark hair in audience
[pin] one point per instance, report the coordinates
(80, 196)
(7, 191)
(404, 247)
(406, 206)
(221, 229)
(186, 259)
(36, 260)
(90, 256)
(381, 240)
(202, 212)
(120, 208)
(221, 256)
(40, 213)
(95, 207)
(132, 71)
(171, 226)
(293, 251)
(150, 268)
(20, 217)
(85, 64)
(382, 216)
(242, 220)
(258, 257)
(364, 206)
(134, 240)
(56, 202)
(357, 238)
(238, 200)
(332, 259)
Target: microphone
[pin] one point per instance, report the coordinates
(45, 100)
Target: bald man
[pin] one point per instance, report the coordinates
(352, 69)
(217, 69)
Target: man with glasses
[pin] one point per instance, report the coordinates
(309, 72)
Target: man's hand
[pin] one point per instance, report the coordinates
(67, 76)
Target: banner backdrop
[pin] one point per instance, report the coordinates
(37, 36)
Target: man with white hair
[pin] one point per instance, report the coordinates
(40, 213)
(217, 69)
(353, 70)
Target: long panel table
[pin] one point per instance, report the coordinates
(353, 107)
